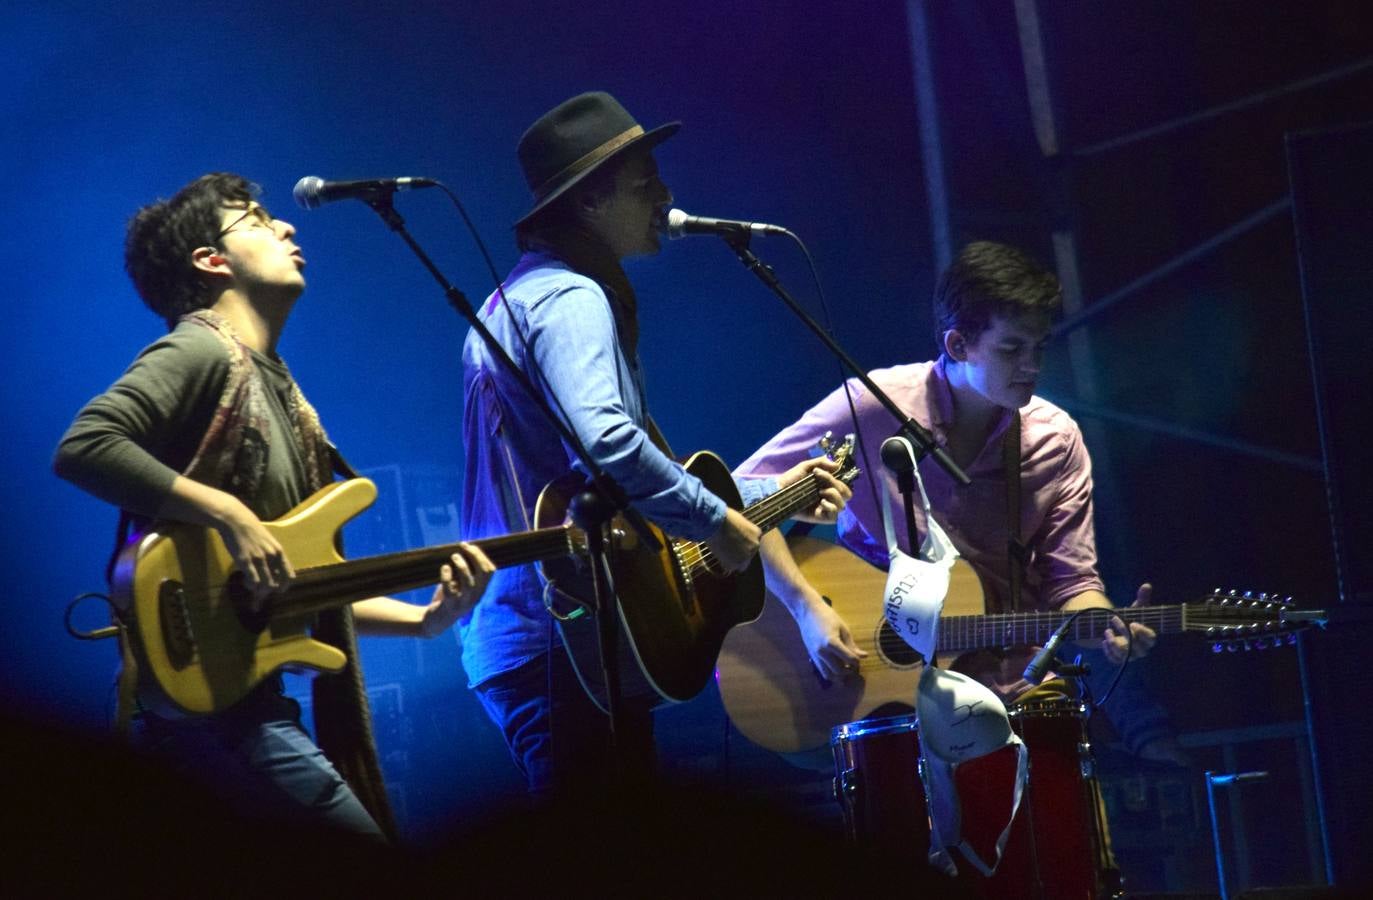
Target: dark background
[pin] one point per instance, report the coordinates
(1195, 391)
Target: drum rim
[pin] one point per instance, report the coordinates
(879, 725)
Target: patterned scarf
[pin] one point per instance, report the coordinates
(233, 452)
(233, 456)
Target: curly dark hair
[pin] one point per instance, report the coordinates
(162, 236)
(988, 280)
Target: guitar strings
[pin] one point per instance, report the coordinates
(962, 633)
(315, 584)
(695, 555)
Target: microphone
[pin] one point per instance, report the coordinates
(679, 224)
(898, 455)
(1039, 666)
(312, 191)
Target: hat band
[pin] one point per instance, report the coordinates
(581, 165)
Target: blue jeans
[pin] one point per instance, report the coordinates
(558, 738)
(257, 757)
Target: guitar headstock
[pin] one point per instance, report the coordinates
(1244, 620)
(842, 453)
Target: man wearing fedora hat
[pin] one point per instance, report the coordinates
(568, 316)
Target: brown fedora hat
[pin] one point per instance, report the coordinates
(577, 137)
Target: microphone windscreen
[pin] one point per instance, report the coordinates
(306, 191)
(897, 454)
(676, 223)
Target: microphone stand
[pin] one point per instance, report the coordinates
(592, 510)
(897, 455)
(738, 241)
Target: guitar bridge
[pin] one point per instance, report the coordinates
(688, 593)
(178, 637)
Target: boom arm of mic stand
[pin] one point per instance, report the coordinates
(739, 243)
(601, 482)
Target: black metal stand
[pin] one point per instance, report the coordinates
(593, 513)
(738, 241)
(899, 456)
(592, 509)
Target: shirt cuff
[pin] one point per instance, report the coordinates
(752, 489)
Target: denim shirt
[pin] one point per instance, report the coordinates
(513, 452)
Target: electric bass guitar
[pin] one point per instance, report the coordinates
(777, 699)
(675, 605)
(190, 616)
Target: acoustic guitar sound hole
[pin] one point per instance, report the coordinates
(893, 648)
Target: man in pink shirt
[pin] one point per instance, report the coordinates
(993, 309)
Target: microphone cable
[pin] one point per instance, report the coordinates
(844, 378)
(515, 326)
(1129, 652)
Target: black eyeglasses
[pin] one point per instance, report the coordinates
(261, 219)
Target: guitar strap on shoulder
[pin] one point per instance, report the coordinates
(1016, 553)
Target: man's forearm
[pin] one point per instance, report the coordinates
(784, 577)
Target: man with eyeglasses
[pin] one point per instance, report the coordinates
(208, 427)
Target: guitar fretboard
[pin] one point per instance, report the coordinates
(959, 633)
(326, 587)
(767, 514)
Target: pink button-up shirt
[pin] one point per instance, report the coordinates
(1055, 485)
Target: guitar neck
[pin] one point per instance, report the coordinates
(960, 633)
(770, 512)
(328, 587)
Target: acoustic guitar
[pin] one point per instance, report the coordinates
(676, 605)
(192, 625)
(778, 700)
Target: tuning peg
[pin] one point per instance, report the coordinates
(1287, 602)
(1261, 644)
(1233, 647)
(1217, 647)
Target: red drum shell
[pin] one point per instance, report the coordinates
(877, 783)
(1057, 847)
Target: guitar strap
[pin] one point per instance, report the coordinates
(1016, 553)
